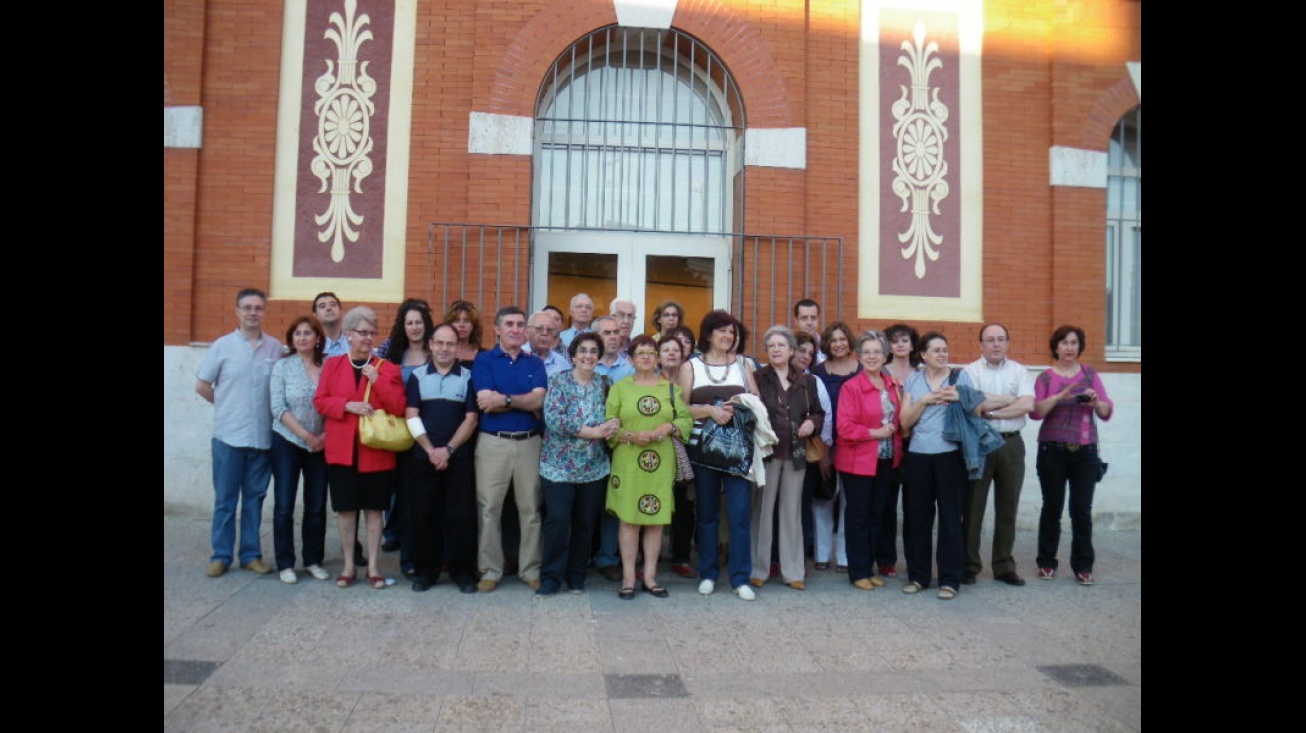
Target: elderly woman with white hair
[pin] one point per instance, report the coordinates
(795, 412)
(358, 476)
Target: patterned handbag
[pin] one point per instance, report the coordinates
(684, 469)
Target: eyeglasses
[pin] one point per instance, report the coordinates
(365, 334)
(545, 329)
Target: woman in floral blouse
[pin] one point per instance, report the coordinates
(574, 465)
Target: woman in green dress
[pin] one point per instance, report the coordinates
(652, 413)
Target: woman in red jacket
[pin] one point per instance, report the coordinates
(867, 450)
(358, 476)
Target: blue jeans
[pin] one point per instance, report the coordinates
(571, 517)
(240, 476)
(739, 513)
(289, 461)
(1057, 467)
(608, 555)
(937, 480)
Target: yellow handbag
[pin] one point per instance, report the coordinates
(381, 430)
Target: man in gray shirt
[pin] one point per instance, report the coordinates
(234, 376)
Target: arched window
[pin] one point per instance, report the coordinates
(637, 129)
(1124, 239)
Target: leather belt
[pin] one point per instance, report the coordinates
(1010, 434)
(513, 435)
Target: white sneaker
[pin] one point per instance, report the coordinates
(745, 593)
(318, 572)
(707, 587)
(288, 576)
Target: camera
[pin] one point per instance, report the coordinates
(1083, 398)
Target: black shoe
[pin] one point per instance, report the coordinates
(1010, 578)
(421, 584)
(968, 577)
(389, 545)
(467, 587)
(610, 572)
(547, 588)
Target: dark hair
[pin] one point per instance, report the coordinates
(507, 310)
(806, 303)
(1060, 335)
(314, 324)
(439, 326)
(574, 346)
(803, 337)
(465, 308)
(555, 309)
(687, 332)
(641, 340)
(927, 338)
(712, 320)
(989, 325)
(899, 329)
(326, 294)
(398, 341)
(829, 332)
(672, 340)
(246, 292)
(657, 313)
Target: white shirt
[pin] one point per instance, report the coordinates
(1007, 378)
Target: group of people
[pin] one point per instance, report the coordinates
(592, 434)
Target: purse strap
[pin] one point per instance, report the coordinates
(367, 393)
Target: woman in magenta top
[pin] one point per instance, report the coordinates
(868, 448)
(1069, 398)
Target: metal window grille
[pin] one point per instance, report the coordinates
(638, 129)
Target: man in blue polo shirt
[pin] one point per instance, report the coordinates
(442, 416)
(510, 388)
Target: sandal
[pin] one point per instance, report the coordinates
(947, 594)
(345, 581)
(656, 590)
(913, 588)
(626, 594)
(376, 581)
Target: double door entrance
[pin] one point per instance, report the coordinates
(648, 269)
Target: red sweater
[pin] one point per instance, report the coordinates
(336, 387)
(860, 411)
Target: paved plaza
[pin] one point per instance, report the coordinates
(245, 652)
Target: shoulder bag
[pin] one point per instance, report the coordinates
(381, 430)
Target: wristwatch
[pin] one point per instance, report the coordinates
(507, 400)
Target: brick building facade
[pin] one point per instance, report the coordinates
(1029, 95)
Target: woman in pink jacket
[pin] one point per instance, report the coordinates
(867, 450)
(358, 477)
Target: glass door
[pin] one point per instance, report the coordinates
(694, 271)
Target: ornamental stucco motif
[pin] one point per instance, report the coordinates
(344, 110)
(919, 166)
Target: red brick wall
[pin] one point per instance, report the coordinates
(1053, 75)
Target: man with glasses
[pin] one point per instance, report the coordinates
(542, 334)
(327, 308)
(510, 387)
(235, 376)
(582, 315)
(616, 366)
(1008, 397)
(624, 311)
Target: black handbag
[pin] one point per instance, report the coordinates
(727, 448)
